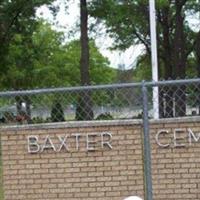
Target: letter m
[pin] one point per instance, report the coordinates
(193, 136)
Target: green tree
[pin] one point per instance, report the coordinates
(32, 58)
(43, 59)
(16, 17)
(100, 70)
(17, 24)
(57, 113)
(49, 57)
(175, 39)
(44, 56)
(84, 108)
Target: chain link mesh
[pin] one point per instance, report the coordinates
(175, 100)
(58, 105)
(107, 102)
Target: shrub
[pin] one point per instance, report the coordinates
(104, 116)
(38, 120)
(8, 117)
(57, 113)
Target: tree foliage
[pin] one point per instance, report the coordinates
(128, 23)
(16, 17)
(45, 56)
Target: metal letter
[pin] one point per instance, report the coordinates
(33, 146)
(90, 148)
(48, 144)
(179, 138)
(192, 135)
(158, 141)
(77, 136)
(62, 143)
(107, 142)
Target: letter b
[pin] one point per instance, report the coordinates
(33, 146)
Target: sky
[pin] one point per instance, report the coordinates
(66, 22)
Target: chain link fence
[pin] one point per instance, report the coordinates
(175, 98)
(106, 102)
(165, 99)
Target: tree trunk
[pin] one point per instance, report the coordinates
(197, 52)
(179, 59)
(166, 91)
(84, 108)
(18, 104)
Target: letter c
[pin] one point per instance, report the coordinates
(158, 140)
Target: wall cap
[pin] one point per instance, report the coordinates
(191, 119)
(97, 123)
(72, 124)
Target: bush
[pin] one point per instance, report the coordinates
(104, 116)
(57, 113)
(38, 120)
(8, 117)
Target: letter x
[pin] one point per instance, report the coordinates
(63, 143)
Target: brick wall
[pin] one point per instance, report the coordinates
(176, 170)
(100, 172)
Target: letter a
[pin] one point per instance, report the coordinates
(48, 144)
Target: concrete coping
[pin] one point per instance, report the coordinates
(98, 123)
(72, 124)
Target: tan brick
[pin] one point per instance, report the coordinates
(113, 194)
(40, 171)
(96, 194)
(103, 174)
(88, 189)
(81, 195)
(96, 184)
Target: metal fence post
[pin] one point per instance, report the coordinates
(146, 146)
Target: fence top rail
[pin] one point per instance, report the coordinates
(68, 89)
(97, 87)
(172, 82)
